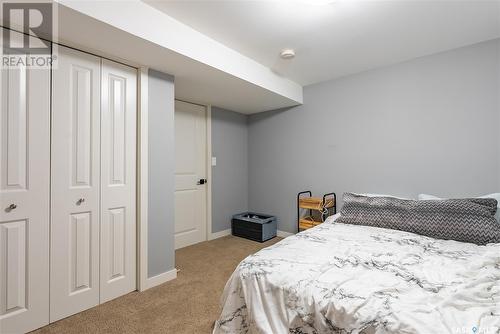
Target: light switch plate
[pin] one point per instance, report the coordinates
(214, 161)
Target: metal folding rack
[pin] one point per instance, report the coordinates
(323, 205)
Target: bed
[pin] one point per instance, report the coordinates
(343, 278)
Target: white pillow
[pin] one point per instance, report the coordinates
(380, 195)
(494, 196)
(425, 197)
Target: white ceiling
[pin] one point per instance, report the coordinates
(206, 71)
(338, 38)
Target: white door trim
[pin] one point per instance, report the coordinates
(209, 172)
(207, 167)
(142, 180)
(159, 279)
(208, 108)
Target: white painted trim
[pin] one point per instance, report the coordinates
(284, 234)
(142, 184)
(208, 166)
(160, 279)
(219, 234)
(209, 172)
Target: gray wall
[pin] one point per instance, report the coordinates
(498, 104)
(161, 257)
(230, 176)
(428, 125)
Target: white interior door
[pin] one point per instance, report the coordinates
(118, 180)
(190, 168)
(24, 198)
(74, 278)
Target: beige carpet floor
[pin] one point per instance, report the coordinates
(188, 304)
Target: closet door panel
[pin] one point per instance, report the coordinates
(24, 198)
(75, 183)
(118, 180)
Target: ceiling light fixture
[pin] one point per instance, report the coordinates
(287, 54)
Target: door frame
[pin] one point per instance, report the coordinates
(208, 165)
(143, 281)
(209, 172)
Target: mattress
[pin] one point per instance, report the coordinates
(340, 278)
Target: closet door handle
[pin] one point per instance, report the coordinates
(80, 201)
(202, 181)
(11, 207)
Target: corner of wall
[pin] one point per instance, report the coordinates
(161, 167)
(230, 175)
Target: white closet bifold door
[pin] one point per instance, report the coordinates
(24, 197)
(74, 279)
(118, 180)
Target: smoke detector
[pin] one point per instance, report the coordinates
(287, 53)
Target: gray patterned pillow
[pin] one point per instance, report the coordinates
(466, 220)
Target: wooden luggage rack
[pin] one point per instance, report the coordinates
(319, 209)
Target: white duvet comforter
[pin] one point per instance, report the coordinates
(339, 278)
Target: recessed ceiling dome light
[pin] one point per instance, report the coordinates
(287, 54)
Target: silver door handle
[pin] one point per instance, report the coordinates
(80, 201)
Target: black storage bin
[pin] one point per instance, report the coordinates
(254, 226)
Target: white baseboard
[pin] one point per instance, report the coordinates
(220, 234)
(284, 234)
(224, 233)
(160, 279)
